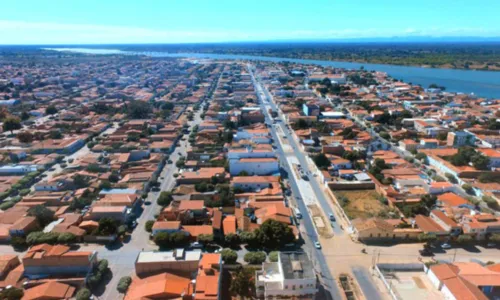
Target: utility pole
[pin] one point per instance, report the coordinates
(454, 255)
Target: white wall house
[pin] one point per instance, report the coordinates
(254, 166)
(291, 277)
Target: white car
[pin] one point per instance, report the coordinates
(446, 246)
(317, 245)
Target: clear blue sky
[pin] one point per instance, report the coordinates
(179, 21)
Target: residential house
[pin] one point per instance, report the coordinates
(45, 260)
(291, 277)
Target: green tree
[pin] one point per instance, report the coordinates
(243, 283)
(480, 162)
(255, 258)
(80, 181)
(427, 238)
(11, 124)
(66, 238)
(51, 110)
(491, 202)
(464, 239)
(138, 109)
(103, 266)
(11, 293)
(232, 240)
(248, 237)
(165, 198)
(229, 256)
(107, 226)
(83, 294)
(273, 234)
(162, 239)
(273, 256)
(206, 239)
(121, 230)
(42, 214)
(123, 284)
(321, 161)
(495, 238)
(25, 137)
(149, 225)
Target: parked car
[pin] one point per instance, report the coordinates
(332, 217)
(446, 246)
(317, 245)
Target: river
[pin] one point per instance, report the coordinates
(481, 83)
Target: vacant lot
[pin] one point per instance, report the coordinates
(360, 204)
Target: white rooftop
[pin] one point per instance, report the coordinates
(163, 256)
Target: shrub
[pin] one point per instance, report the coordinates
(66, 238)
(229, 256)
(123, 284)
(11, 293)
(4, 195)
(491, 202)
(255, 258)
(273, 256)
(232, 240)
(83, 294)
(149, 225)
(102, 266)
(451, 178)
(468, 188)
(6, 205)
(464, 239)
(24, 192)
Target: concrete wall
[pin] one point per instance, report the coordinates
(351, 185)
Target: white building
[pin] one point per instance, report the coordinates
(291, 277)
(249, 152)
(258, 136)
(254, 166)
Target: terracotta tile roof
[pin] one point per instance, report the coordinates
(51, 290)
(207, 280)
(427, 224)
(452, 199)
(162, 286)
(229, 224)
(196, 230)
(191, 205)
(217, 219)
(166, 225)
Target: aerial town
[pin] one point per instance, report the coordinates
(135, 177)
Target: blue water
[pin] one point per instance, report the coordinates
(481, 83)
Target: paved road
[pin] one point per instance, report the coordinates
(310, 233)
(364, 279)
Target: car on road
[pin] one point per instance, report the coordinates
(133, 224)
(196, 245)
(332, 217)
(491, 245)
(155, 189)
(317, 245)
(169, 161)
(446, 246)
